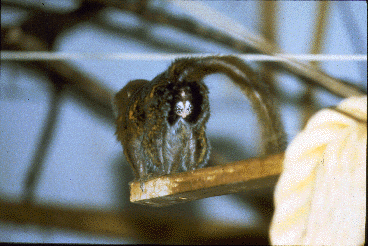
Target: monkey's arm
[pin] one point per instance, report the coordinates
(202, 150)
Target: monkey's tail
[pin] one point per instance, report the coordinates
(263, 101)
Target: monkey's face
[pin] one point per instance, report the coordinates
(183, 107)
(186, 103)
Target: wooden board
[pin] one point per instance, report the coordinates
(207, 182)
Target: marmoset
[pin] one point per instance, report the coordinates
(162, 123)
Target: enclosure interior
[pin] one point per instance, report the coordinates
(85, 166)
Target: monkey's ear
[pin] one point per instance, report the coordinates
(125, 95)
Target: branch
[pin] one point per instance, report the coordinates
(92, 92)
(160, 226)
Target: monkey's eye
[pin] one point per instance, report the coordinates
(188, 107)
(179, 108)
(182, 109)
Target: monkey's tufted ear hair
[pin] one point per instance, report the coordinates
(124, 96)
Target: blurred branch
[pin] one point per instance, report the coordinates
(34, 172)
(226, 32)
(91, 91)
(356, 37)
(161, 227)
(269, 29)
(142, 34)
(320, 26)
(25, 5)
(38, 33)
(241, 37)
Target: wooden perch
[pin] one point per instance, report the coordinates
(207, 182)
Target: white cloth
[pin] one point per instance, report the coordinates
(320, 197)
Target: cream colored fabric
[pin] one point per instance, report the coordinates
(320, 197)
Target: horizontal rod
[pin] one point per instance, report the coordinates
(41, 55)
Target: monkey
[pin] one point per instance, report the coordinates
(162, 123)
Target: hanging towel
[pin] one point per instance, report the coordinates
(320, 197)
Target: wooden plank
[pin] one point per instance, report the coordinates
(207, 182)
